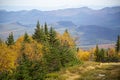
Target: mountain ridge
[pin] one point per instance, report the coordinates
(83, 22)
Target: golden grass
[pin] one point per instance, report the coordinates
(91, 71)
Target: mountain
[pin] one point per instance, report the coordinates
(80, 16)
(16, 27)
(93, 34)
(91, 26)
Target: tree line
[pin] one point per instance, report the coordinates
(109, 55)
(33, 57)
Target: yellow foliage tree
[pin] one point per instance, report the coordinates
(7, 58)
(33, 49)
(111, 52)
(66, 39)
(83, 55)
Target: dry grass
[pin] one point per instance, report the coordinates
(91, 71)
(95, 71)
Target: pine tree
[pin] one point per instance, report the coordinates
(52, 58)
(53, 40)
(118, 44)
(10, 39)
(51, 52)
(97, 53)
(23, 70)
(102, 55)
(46, 32)
(46, 29)
(29, 69)
(38, 34)
(26, 38)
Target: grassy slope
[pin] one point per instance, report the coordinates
(89, 71)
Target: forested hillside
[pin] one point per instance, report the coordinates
(46, 51)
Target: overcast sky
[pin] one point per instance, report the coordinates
(55, 4)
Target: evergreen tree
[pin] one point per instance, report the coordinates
(67, 56)
(102, 55)
(28, 69)
(53, 40)
(52, 58)
(42, 29)
(118, 44)
(26, 37)
(38, 34)
(10, 39)
(46, 32)
(51, 52)
(46, 28)
(97, 53)
(22, 71)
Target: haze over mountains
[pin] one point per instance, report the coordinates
(91, 26)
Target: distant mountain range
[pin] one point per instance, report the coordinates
(92, 26)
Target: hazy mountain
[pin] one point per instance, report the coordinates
(92, 26)
(92, 34)
(17, 28)
(80, 16)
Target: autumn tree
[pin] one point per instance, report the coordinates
(10, 39)
(7, 58)
(29, 69)
(67, 40)
(83, 55)
(31, 58)
(111, 55)
(67, 50)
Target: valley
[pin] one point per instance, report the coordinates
(89, 26)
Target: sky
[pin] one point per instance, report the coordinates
(46, 5)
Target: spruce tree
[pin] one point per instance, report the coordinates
(46, 28)
(24, 64)
(52, 55)
(52, 58)
(52, 34)
(118, 44)
(10, 39)
(102, 55)
(68, 52)
(46, 32)
(26, 37)
(38, 34)
(29, 69)
(97, 53)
